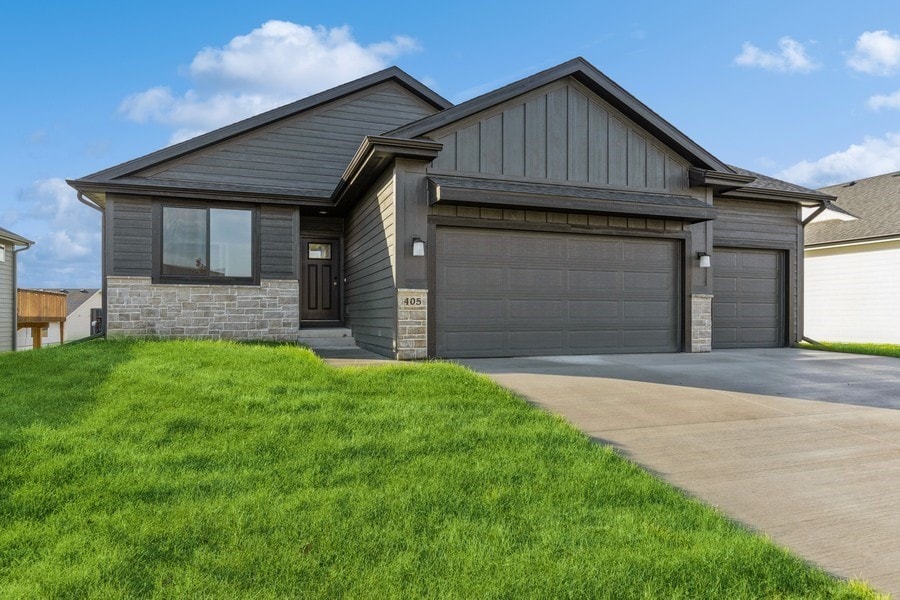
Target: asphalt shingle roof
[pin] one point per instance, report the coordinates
(770, 183)
(875, 202)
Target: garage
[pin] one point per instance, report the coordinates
(520, 293)
(748, 298)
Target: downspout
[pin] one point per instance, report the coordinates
(15, 289)
(804, 223)
(102, 212)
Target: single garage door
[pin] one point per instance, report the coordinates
(519, 293)
(748, 298)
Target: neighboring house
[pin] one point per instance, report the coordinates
(853, 267)
(8, 312)
(82, 309)
(555, 215)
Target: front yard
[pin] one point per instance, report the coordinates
(175, 469)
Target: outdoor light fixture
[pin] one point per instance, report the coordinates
(418, 246)
(704, 260)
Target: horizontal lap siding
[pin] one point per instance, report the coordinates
(307, 152)
(562, 133)
(278, 242)
(7, 298)
(851, 293)
(131, 236)
(370, 295)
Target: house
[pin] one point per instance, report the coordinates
(83, 306)
(8, 310)
(853, 266)
(554, 215)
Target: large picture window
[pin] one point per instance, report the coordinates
(212, 244)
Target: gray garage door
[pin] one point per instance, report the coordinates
(748, 298)
(516, 293)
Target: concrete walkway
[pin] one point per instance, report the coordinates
(819, 476)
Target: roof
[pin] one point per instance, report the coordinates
(6, 234)
(764, 182)
(74, 298)
(120, 173)
(875, 202)
(593, 79)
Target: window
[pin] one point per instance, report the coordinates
(207, 244)
(318, 251)
(2, 253)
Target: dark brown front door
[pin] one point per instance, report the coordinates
(320, 286)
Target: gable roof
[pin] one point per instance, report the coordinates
(593, 79)
(875, 202)
(122, 171)
(6, 234)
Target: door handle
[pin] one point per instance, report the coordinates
(335, 282)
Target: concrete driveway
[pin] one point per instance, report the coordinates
(801, 445)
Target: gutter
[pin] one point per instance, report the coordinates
(89, 203)
(15, 289)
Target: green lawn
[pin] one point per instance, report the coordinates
(856, 348)
(188, 469)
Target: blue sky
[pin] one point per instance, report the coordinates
(807, 91)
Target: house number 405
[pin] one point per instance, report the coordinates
(412, 301)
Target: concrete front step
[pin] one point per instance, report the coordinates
(327, 338)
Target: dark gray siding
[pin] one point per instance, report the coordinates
(7, 299)
(278, 242)
(130, 236)
(757, 224)
(370, 294)
(562, 132)
(308, 152)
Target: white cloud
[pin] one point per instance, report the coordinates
(272, 65)
(66, 235)
(874, 156)
(876, 53)
(789, 58)
(879, 101)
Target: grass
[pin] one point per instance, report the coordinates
(188, 469)
(892, 350)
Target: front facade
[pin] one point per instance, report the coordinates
(853, 266)
(8, 313)
(556, 215)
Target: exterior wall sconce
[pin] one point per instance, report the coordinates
(705, 261)
(418, 246)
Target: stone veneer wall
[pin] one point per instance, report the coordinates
(412, 324)
(137, 307)
(701, 322)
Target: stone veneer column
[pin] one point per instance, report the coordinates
(138, 307)
(412, 324)
(701, 322)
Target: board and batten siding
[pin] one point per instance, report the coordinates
(7, 299)
(759, 224)
(131, 238)
(307, 152)
(561, 132)
(370, 292)
(851, 293)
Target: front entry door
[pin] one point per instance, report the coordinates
(320, 286)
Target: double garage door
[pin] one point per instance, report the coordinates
(519, 293)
